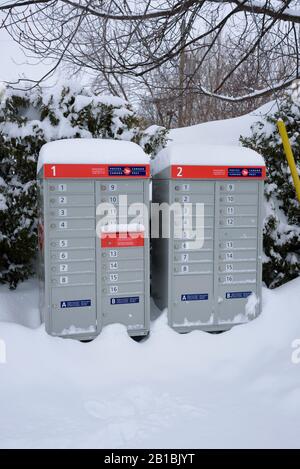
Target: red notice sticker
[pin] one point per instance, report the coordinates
(122, 240)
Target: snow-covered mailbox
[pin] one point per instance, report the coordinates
(208, 272)
(94, 259)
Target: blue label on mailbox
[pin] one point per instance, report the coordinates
(127, 171)
(194, 297)
(245, 172)
(75, 303)
(232, 295)
(125, 300)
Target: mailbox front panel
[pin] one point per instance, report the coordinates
(91, 282)
(218, 285)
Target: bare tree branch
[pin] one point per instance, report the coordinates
(128, 41)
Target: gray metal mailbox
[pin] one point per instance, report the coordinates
(216, 284)
(94, 271)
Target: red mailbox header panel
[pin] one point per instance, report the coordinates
(217, 172)
(95, 171)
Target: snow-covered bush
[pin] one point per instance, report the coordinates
(28, 119)
(281, 262)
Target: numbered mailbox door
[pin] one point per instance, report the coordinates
(123, 280)
(70, 256)
(239, 244)
(192, 265)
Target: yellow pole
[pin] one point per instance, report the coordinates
(289, 155)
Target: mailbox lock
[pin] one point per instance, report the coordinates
(52, 201)
(53, 244)
(177, 188)
(52, 188)
(103, 188)
(103, 199)
(53, 225)
(104, 254)
(53, 269)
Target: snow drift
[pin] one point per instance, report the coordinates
(236, 389)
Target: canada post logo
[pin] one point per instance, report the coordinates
(127, 171)
(245, 172)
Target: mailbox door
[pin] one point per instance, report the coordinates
(191, 267)
(70, 257)
(238, 253)
(123, 268)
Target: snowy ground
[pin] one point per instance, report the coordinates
(237, 389)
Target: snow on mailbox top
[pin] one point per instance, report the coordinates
(193, 161)
(93, 158)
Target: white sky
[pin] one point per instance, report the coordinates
(14, 64)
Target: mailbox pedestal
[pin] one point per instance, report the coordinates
(217, 285)
(93, 274)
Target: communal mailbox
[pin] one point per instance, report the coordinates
(94, 271)
(216, 284)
